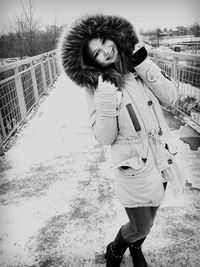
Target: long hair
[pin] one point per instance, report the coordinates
(115, 71)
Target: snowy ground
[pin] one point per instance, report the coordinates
(57, 205)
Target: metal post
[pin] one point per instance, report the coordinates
(2, 126)
(54, 67)
(43, 76)
(16, 69)
(50, 75)
(1, 147)
(175, 69)
(33, 77)
(20, 96)
(4, 135)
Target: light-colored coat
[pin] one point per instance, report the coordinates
(150, 152)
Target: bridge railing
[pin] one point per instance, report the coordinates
(22, 83)
(185, 70)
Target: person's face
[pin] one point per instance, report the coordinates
(104, 51)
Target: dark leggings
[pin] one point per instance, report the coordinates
(140, 222)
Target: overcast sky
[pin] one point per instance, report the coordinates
(146, 14)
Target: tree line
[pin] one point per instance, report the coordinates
(28, 43)
(193, 29)
(25, 37)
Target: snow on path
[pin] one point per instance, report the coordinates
(48, 179)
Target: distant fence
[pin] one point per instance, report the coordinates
(21, 85)
(185, 70)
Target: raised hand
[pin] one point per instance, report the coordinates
(138, 46)
(104, 86)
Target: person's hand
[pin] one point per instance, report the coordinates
(105, 99)
(139, 54)
(137, 47)
(106, 87)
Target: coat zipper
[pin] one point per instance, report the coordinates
(150, 145)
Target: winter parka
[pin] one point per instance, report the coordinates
(130, 120)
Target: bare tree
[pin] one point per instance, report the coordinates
(25, 28)
(25, 36)
(31, 29)
(16, 30)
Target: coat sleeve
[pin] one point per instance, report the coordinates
(163, 87)
(102, 122)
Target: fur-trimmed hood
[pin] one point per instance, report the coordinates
(102, 26)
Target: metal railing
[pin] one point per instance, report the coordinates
(185, 70)
(21, 85)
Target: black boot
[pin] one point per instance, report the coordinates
(115, 251)
(136, 253)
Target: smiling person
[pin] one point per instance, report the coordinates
(125, 91)
(104, 52)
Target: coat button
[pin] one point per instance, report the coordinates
(150, 103)
(160, 132)
(170, 161)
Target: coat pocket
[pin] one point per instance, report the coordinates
(132, 167)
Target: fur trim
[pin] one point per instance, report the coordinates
(73, 41)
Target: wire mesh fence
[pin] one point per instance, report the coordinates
(10, 109)
(185, 70)
(189, 92)
(28, 91)
(21, 85)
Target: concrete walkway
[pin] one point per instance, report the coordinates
(57, 205)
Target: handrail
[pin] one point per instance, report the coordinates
(178, 55)
(24, 61)
(21, 86)
(187, 77)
